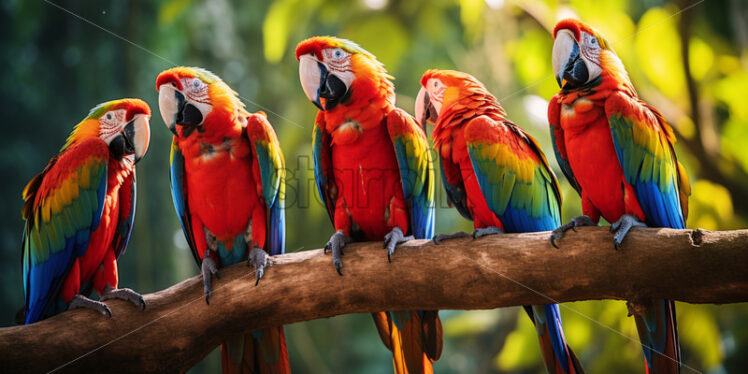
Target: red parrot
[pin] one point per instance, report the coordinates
(373, 172)
(617, 152)
(496, 176)
(79, 213)
(227, 182)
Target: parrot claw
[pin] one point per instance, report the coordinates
(337, 242)
(622, 227)
(490, 230)
(124, 294)
(575, 222)
(442, 237)
(259, 259)
(208, 269)
(80, 301)
(392, 239)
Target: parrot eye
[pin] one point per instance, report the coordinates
(338, 54)
(109, 116)
(196, 84)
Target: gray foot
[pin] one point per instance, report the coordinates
(490, 230)
(559, 232)
(209, 268)
(442, 237)
(394, 238)
(622, 228)
(124, 294)
(259, 259)
(337, 241)
(80, 301)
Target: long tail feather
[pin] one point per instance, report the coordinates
(658, 333)
(262, 351)
(557, 355)
(415, 339)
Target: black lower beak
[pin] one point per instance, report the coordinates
(332, 89)
(576, 73)
(124, 144)
(187, 115)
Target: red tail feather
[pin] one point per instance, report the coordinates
(416, 345)
(246, 354)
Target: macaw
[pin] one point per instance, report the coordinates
(79, 213)
(497, 176)
(617, 152)
(373, 171)
(228, 188)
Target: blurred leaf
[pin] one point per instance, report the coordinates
(278, 20)
(699, 332)
(710, 205)
(521, 350)
(700, 58)
(471, 15)
(733, 90)
(383, 36)
(658, 52)
(470, 322)
(172, 10)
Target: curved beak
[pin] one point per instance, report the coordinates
(425, 110)
(323, 88)
(176, 109)
(134, 138)
(568, 66)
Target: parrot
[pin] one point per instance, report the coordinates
(228, 188)
(617, 152)
(373, 171)
(497, 176)
(79, 213)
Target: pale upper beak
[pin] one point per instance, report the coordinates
(426, 110)
(569, 67)
(312, 74)
(140, 134)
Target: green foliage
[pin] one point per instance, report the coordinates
(48, 81)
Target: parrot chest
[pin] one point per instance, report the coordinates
(101, 238)
(221, 187)
(368, 179)
(593, 159)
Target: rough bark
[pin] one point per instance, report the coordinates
(177, 329)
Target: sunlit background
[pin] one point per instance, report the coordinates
(693, 66)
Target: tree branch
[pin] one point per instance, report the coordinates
(178, 329)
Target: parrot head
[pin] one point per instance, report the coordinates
(580, 54)
(442, 89)
(191, 97)
(334, 70)
(121, 124)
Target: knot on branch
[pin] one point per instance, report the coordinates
(638, 307)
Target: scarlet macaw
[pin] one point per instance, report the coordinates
(373, 172)
(227, 183)
(617, 152)
(496, 176)
(79, 213)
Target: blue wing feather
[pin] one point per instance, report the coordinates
(416, 171)
(51, 245)
(179, 196)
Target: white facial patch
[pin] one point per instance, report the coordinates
(436, 89)
(111, 124)
(590, 53)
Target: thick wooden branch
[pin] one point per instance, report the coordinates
(177, 329)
